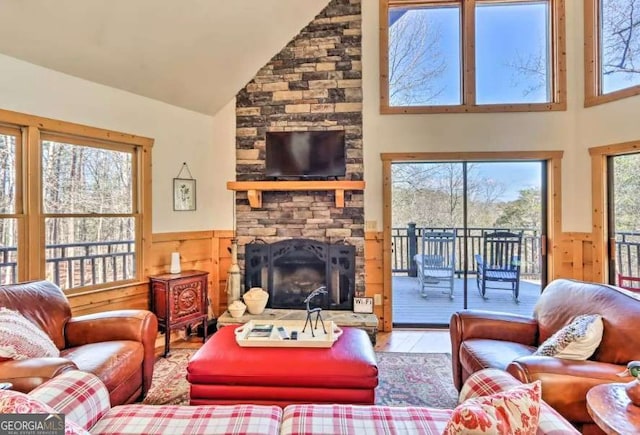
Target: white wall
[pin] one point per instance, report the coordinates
(180, 136)
(572, 131)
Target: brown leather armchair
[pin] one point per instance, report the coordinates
(482, 339)
(117, 346)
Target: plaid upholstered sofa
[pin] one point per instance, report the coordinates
(84, 400)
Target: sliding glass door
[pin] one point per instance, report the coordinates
(624, 220)
(465, 235)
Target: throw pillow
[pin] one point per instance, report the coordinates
(577, 341)
(21, 339)
(14, 402)
(514, 411)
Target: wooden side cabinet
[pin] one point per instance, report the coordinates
(179, 300)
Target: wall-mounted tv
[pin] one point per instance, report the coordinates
(305, 154)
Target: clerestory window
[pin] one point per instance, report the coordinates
(472, 56)
(612, 50)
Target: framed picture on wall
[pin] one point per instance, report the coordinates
(184, 194)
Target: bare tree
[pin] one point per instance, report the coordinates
(529, 71)
(620, 36)
(431, 195)
(415, 59)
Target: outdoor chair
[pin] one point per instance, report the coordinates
(436, 261)
(499, 262)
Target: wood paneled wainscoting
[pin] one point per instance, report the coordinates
(208, 251)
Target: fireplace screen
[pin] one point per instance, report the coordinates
(290, 270)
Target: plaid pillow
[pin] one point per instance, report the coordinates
(576, 341)
(80, 396)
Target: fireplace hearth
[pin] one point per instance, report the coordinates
(290, 270)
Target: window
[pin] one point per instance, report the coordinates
(612, 43)
(78, 220)
(472, 56)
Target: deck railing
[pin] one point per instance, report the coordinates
(405, 245)
(628, 254)
(73, 265)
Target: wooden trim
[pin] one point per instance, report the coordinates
(468, 55)
(35, 265)
(22, 172)
(486, 156)
(593, 93)
(53, 125)
(383, 28)
(616, 149)
(554, 201)
(554, 212)
(254, 189)
(387, 294)
(144, 200)
(192, 235)
(558, 62)
(591, 73)
(559, 58)
(600, 202)
(598, 214)
(89, 142)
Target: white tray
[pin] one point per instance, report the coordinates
(305, 339)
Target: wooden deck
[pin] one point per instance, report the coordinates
(412, 310)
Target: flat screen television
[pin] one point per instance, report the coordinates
(305, 154)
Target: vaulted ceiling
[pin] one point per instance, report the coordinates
(194, 54)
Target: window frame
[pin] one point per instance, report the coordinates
(18, 212)
(593, 95)
(31, 216)
(468, 73)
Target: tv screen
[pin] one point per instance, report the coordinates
(305, 154)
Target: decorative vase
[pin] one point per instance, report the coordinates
(175, 262)
(256, 300)
(233, 280)
(633, 391)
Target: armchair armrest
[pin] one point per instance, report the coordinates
(468, 324)
(135, 325)
(27, 374)
(565, 382)
(492, 325)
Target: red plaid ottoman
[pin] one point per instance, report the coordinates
(222, 372)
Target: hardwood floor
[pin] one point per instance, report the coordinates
(399, 340)
(414, 340)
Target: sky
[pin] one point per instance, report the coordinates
(515, 176)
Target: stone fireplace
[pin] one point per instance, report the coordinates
(314, 83)
(291, 269)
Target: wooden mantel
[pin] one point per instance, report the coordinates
(254, 189)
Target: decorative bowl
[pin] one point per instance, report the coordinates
(237, 309)
(256, 300)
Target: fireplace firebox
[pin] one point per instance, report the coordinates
(290, 270)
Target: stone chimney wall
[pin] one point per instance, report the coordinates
(314, 83)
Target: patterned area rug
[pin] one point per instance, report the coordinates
(418, 379)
